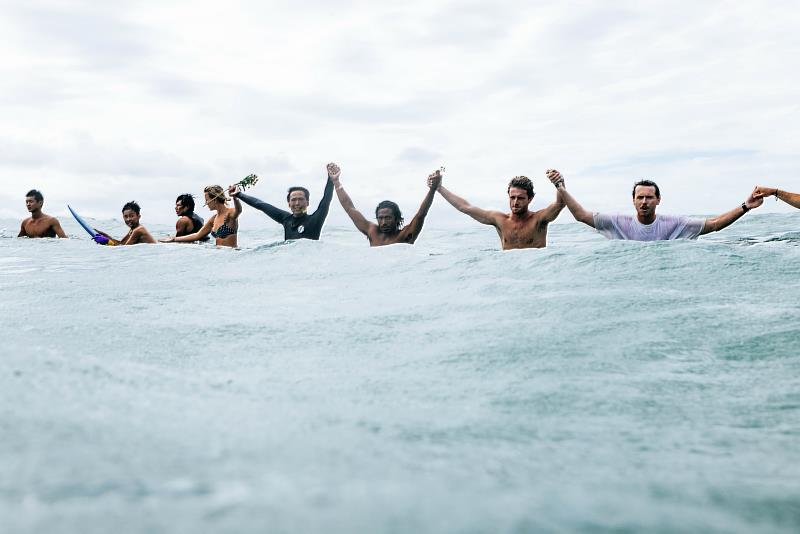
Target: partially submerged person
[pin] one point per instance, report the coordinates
(389, 228)
(646, 225)
(223, 226)
(793, 199)
(39, 224)
(188, 221)
(297, 223)
(521, 228)
(131, 214)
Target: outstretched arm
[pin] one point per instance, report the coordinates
(200, 234)
(793, 199)
(358, 219)
(579, 212)
(480, 215)
(726, 219)
(550, 213)
(415, 226)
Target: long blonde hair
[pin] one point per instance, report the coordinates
(216, 193)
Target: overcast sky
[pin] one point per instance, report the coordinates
(105, 102)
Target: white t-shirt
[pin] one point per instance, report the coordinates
(664, 227)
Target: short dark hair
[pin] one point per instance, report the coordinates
(35, 194)
(646, 183)
(132, 205)
(298, 188)
(522, 182)
(398, 215)
(186, 200)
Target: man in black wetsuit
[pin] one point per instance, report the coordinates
(297, 224)
(188, 221)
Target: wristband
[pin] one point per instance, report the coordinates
(744, 207)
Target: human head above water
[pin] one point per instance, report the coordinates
(35, 194)
(133, 206)
(187, 201)
(215, 193)
(297, 198)
(389, 216)
(646, 183)
(522, 182)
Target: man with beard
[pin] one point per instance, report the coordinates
(521, 228)
(39, 224)
(137, 233)
(390, 229)
(297, 224)
(646, 225)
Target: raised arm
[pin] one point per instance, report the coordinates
(327, 195)
(719, 222)
(358, 219)
(793, 199)
(480, 215)
(549, 214)
(581, 215)
(276, 214)
(414, 227)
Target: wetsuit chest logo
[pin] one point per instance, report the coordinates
(301, 229)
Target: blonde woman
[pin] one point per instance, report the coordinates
(223, 226)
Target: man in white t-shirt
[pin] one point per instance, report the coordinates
(647, 226)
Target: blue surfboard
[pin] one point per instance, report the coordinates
(86, 226)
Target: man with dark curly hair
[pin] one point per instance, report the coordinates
(521, 228)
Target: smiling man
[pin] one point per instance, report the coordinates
(297, 223)
(39, 224)
(389, 229)
(521, 228)
(646, 225)
(131, 214)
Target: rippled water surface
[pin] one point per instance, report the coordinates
(445, 387)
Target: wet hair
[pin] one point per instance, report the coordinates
(646, 183)
(522, 182)
(216, 193)
(186, 200)
(298, 188)
(398, 215)
(36, 194)
(132, 205)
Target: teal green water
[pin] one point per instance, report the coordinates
(592, 386)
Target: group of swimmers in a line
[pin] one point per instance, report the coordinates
(521, 228)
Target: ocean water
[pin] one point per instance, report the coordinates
(593, 386)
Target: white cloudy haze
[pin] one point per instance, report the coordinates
(102, 103)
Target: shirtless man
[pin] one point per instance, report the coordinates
(390, 229)
(136, 234)
(39, 224)
(521, 228)
(647, 226)
(793, 199)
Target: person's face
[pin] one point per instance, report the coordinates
(387, 223)
(180, 209)
(210, 202)
(645, 201)
(32, 204)
(131, 218)
(518, 200)
(298, 203)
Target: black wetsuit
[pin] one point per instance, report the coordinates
(197, 224)
(304, 227)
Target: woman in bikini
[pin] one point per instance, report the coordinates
(223, 226)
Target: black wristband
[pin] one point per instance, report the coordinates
(744, 207)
